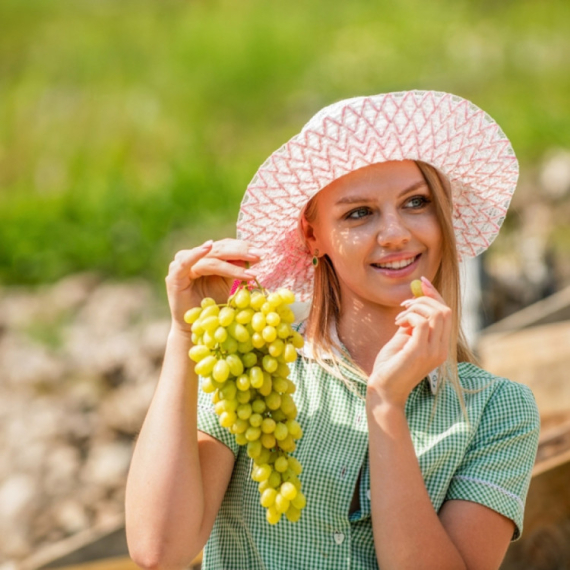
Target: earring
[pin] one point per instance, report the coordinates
(315, 260)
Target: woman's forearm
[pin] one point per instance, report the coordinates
(407, 531)
(164, 496)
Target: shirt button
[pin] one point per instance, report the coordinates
(368, 494)
(338, 538)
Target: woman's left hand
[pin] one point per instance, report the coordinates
(420, 344)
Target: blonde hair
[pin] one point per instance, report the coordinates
(326, 303)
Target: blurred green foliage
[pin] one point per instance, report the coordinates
(130, 129)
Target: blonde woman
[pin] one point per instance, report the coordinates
(413, 456)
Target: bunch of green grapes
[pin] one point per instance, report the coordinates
(242, 350)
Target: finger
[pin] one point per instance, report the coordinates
(236, 250)
(430, 291)
(188, 257)
(214, 266)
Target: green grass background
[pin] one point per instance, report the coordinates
(129, 129)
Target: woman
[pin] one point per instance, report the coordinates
(410, 459)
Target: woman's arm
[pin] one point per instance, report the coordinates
(178, 476)
(407, 531)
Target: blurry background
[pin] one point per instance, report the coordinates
(130, 129)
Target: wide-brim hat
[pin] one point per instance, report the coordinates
(452, 134)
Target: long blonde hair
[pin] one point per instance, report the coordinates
(326, 303)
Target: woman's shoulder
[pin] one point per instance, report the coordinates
(498, 393)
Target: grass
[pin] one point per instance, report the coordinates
(129, 129)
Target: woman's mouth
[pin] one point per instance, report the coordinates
(400, 267)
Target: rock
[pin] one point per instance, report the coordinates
(107, 464)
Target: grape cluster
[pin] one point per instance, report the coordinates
(242, 350)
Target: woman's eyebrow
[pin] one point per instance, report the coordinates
(355, 199)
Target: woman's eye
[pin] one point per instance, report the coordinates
(358, 213)
(417, 201)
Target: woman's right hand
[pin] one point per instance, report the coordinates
(206, 271)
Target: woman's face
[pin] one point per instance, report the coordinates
(378, 225)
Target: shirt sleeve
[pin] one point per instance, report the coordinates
(496, 470)
(208, 421)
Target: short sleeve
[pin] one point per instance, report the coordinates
(496, 470)
(208, 421)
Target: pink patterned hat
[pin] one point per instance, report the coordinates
(448, 132)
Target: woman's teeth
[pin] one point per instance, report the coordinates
(396, 264)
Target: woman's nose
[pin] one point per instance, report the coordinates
(392, 231)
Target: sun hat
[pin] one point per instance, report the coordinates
(446, 131)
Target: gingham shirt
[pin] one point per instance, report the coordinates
(488, 462)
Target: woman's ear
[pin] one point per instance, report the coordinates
(308, 234)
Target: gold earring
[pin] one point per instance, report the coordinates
(315, 260)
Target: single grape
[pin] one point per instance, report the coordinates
(192, 315)
(226, 316)
(416, 287)
(268, 497)
(293, 514)
(288, 490)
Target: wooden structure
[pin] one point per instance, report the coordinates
(533, 347)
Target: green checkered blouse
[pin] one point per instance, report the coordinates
(488, 462)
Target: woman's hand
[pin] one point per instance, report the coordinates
(206, 271)
(420, 344)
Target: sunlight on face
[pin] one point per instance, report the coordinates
(378, 225)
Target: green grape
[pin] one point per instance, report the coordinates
(268, 497)
(235, 364)
(268, 425)
(258, 406)
(280, 384)
(281, 464)
(245, 347)
(288, 490)
(297, 340)
(199, 352)
(273, 401)
(286, 315)
(240, 439)
(283, 370)
(257, 340)
(258, 322)
(255, 376)
(210, 311)
(269, 363)
(208, 340)
(274, 479)
(283, 330)
(227, 419)
(293, 514)
(289, 354)
(221, 371)
(207, 301)
(276, 347)
(242, 298)
(229, 391)
(257, 300)
(294, 429)
(253, 448)
(264, 457)
(220, 334)
(268, 440)
(272, 319)
(230, 345)
(274, 299)
(242, 382)
(295, 465)
(255, 421)
(249, 359)
(299, 501)
(281, 503)
(226, 316)
(252, 433)
(286, 295)
(273, 516)
(287, 404)
(239, 426)
(208, 386)
(205, 366)
(192, 315)
(269, 333)
(210, 324)
(281, 431)
(291, 387)
(267, 386)
(416, 287)
(244, 316)
(288, 444)
(239, 332)
(243, 397)
(244, 411)
(263, 486)
(278, 416)
(262, 473)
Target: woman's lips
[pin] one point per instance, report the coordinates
(402, 272)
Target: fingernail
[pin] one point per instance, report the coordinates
(255, 251)
(427, 281)
(250, 274)
(406, 303)
(207, 243)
